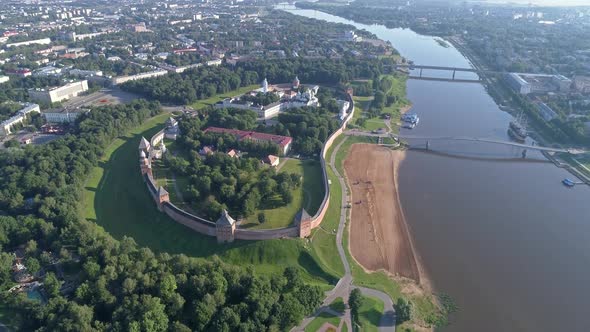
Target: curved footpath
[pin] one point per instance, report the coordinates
(344, 285)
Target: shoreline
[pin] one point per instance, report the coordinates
(375, 242)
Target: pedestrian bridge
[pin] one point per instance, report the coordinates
(470, 139)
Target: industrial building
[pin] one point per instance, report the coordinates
(57, 94)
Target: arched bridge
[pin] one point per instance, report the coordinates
(469, 139)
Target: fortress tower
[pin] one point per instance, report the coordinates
(303, 221)
(225, 228)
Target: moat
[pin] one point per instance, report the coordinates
(499, 234)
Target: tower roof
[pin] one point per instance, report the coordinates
(171, 121)
(162, 191)
(144, 144)
(142, 154)
(225, 219)
(301, 216)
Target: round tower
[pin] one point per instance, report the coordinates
(265, 86)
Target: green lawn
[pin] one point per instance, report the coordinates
(117, 199)
(323, 318)
(338, 305)
(308, 196)
(213, 100)
(370, 313)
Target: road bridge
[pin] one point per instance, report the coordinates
(469, 139)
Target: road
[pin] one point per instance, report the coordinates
(344, 285)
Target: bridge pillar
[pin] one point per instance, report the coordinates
(454, 72)
(524, 154)
(427, 145)
(420, 72)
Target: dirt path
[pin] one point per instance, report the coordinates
(379, 236)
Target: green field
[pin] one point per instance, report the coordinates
(308, 196)
(117, 199)
(213, 100)
(370, 313)
(320, 320)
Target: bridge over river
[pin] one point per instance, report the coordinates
(469, 139)
(454, 70)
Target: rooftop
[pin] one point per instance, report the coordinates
(242, 135)
(225, 219)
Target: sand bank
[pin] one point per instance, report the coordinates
(379, 234)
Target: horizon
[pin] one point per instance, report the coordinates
(550, 3)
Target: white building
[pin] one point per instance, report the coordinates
(58, 94)
(289, 94)
(123, 79)
(4, 79)
(518, 83)
(21, 115)
(85, 73)
(44, 41)
(63, 115)
(47, 71)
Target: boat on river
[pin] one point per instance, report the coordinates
(568, 183)
(411, 118)
(517, 129)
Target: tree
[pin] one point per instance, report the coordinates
(402, 310)
(355, 302)
(261, 217)
(32, 265)
(293, 277)
(51, 284)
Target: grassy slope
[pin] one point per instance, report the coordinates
(370, 313)
(117, 199)
(211, 101)
(338, 305)
(323, 318)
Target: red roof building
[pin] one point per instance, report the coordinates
(284, 142)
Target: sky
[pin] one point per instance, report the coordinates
(542, 2)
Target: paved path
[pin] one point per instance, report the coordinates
(387, 322)
(470, 139)
(344, 285)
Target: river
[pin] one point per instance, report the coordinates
(503, 237)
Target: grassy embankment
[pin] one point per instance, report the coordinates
(213, 100)
(423, 306)
(338, 306)
(322, 319)
(117, 199)
(370, 314)
(371, 121)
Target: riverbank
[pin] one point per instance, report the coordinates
(380, 237)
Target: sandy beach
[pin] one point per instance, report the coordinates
(379, 234)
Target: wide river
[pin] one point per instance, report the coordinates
(504, 238)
